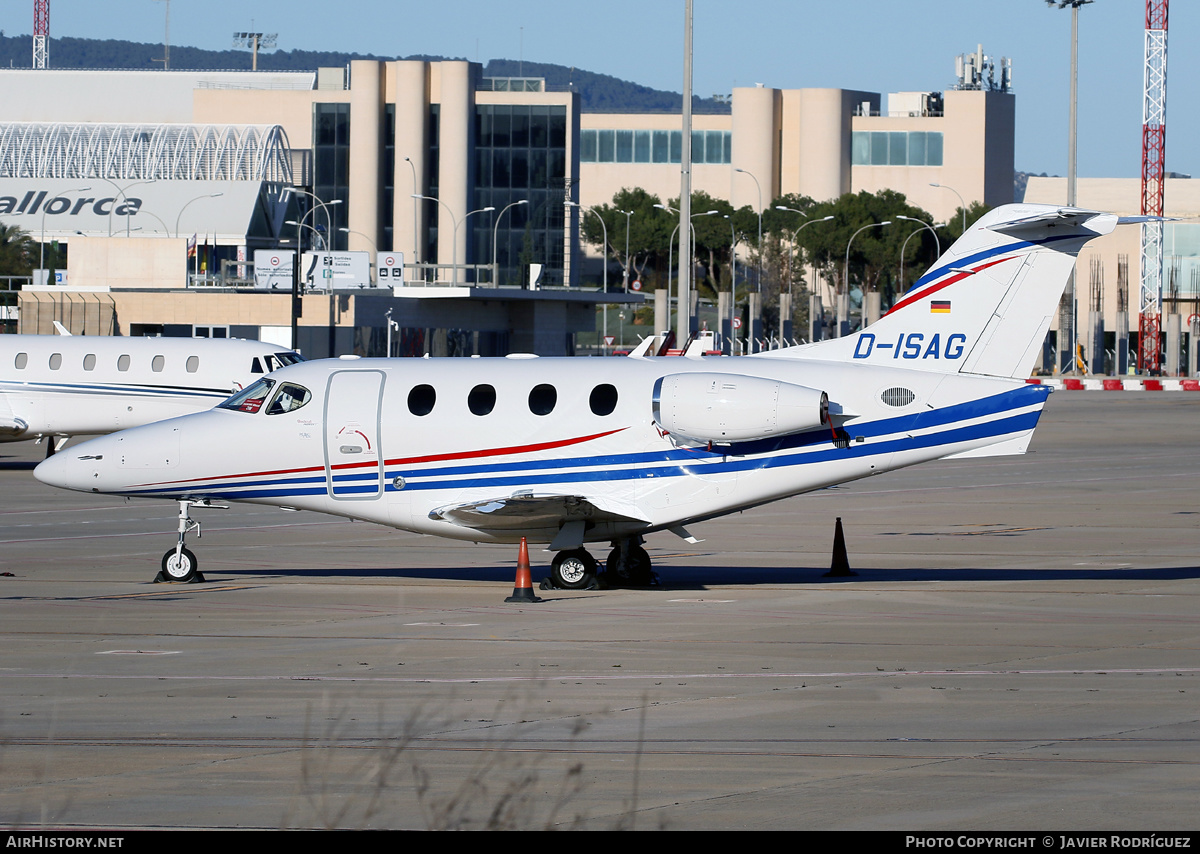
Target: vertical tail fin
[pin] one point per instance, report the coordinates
(985, 306)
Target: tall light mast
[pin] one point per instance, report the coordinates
(41, 32)
(1154, 146)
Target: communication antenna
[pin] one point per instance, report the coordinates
(254, 41)
(41, 32)
(166, 60)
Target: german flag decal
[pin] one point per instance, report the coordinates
(939, 306)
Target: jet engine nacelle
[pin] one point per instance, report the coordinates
(735, 408)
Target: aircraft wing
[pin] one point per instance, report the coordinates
(527, 511)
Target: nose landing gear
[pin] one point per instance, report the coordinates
(179, 564)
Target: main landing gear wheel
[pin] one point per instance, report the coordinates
(634, 571)
(180, 566)
(574, 569)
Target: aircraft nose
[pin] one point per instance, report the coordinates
(73, 468)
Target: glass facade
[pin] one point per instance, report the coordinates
(520, 154)
(331, 170)
(896, 148)
(652, 146)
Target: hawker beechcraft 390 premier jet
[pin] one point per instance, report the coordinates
(57, 386)
(570, 451)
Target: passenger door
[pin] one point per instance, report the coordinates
(353, 456)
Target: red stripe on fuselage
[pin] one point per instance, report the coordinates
(460, 455)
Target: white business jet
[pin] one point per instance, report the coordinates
(57, 386)
(572, 451)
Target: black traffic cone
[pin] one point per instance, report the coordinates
(840, 567)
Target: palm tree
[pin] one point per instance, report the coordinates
(17, 251)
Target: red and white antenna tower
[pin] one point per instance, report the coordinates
(41, 32)
(1154, 147)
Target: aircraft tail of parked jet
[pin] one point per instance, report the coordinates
(985, 306)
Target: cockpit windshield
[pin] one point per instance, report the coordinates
(251, 398)
(289, 398)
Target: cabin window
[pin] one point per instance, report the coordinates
(21, 361)
(604, 399)
(156, 364)
(542, 399)
(55, 361)
(290, 397)
(482, 399)
(421, 400)
(123, 363)
(193, 364)
(89, 362)
(249, 399)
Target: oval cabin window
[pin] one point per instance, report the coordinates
(421, 400)
(123, 363)
(21, 361)
(193, 364)
(604, 399)
(482, 399)
(157, 363)
(542, 399)
(55, 361)
(89, 362)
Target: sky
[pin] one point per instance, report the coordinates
(875, 45)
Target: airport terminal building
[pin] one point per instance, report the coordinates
(183, 194)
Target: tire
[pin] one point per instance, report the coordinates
(636, 573)
(573, 570)
(182, 569)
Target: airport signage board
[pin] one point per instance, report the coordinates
(272, 270)
(389, 269)
(336, 270)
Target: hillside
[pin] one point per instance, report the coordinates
(599, 93)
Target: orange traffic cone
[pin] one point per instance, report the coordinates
(523, 589)
(840, 568)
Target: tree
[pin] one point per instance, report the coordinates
(649, 229)
(17, 252)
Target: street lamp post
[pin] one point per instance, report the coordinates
(961, 202)
(188, 202)
(732, 282)
(495, 233)
(683, 303)
(121, 192)
(457, 224)
(904, 245)
(416, 233)
(796, 233)
(42, 247)
(926, 226)
(454, 236)
(846, 276)
(760, 246)
(625, 271)
(604, 257)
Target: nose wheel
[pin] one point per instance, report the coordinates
(179, 564)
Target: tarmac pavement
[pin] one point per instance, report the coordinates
(1020, 650)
